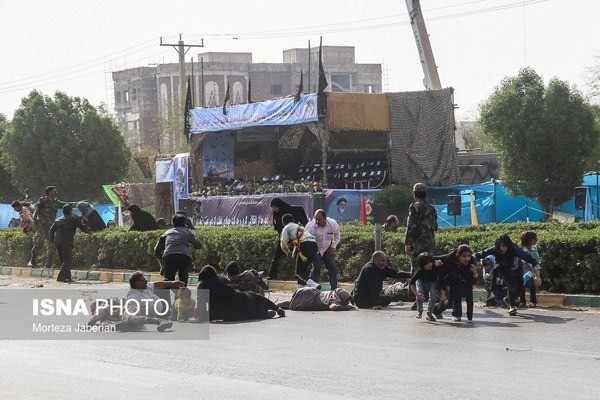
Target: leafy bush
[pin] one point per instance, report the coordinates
(397, 197)
(570, 252)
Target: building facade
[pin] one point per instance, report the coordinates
(147, 99)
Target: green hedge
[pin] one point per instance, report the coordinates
(570, 260)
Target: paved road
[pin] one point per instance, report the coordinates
(549, 354)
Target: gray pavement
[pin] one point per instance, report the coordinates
(549, 354)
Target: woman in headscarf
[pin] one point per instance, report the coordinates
(230, 304)
(310, 299)
(280, 208)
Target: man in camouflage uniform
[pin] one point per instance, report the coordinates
(43, 218)
(247, 281)
(420, 227)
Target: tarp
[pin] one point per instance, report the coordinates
(265, 113)
(422, 138)
(357, 111)
(106, 211)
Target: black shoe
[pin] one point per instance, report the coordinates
(414, 306)
(164, 325)
(281, 312)
(271, 313)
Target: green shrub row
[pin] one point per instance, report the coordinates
(570, 252)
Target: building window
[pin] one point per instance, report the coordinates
(118, 96)
(276, 90)
(238, 93)
(340, 83)
(126, 95)
(133, 94)
(211, 94)
(369, 89)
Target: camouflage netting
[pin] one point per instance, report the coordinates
(422, 138)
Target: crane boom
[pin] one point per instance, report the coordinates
(432, 79)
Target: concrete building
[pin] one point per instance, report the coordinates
(147, 98)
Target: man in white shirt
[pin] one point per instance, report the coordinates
(327, 233)
(298, 243)
(143, 306)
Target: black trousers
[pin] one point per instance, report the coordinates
(530, 285)
(278, 255)
(65, 253)
(462, 289)
(513, 278)
(303, 260)
(177, 264)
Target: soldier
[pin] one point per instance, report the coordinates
(420, 227)
(61, 234)
(43, 217)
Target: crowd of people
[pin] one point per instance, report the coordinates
(443, 281)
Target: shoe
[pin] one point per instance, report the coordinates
(164, 325)
(67, 280)
(271, 313)
(312, 284)
(281, 312)
(470, 319)
(31, 264)
(532, 305)
(456, 319)
(430, 317)
(512, 312)
(439, 316)
(414, 306)
(419, 315)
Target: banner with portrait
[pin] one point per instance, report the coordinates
(180, 181)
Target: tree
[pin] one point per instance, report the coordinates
(476, 139)
(63, 141)
(8, 193)
(544, 135)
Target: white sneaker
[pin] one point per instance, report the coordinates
(312, 284)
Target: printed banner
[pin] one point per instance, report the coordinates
(180, 183)
(344, 205)
(218, 156)
(164, 171)
(111, 195)
(266, 113)
(248, 210)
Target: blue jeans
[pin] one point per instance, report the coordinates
(423, 287)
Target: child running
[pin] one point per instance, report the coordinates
(460, 269)
(531, 276)
(508, 266)
(423, 281)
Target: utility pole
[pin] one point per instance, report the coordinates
(432, 79)
(182, 49)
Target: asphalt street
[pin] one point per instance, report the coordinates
(541, 353)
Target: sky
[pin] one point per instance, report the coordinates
(72, 46)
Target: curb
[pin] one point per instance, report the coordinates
(544, 299)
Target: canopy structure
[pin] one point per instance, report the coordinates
(410, 133)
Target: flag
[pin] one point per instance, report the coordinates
(226, 100)
(473, 212)
(186, 116)
(322, 80)
(111, 195)
(363, 210)
(144, 165)
(300, 88)
(250, 92)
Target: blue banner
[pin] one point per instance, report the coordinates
(266, 113)
(218, 156)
